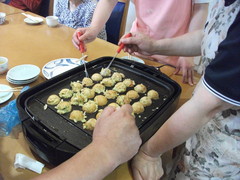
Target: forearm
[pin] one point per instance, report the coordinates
(199, 16)
(185, 122)
(102, 13)
(91, 163)
(185, 45)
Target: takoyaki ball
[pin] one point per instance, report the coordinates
(53, 99)
(140, 88)
(87, 82)
(117, 77)
(63, 107)
(65, 93)
(108, 82)
(89, 93)
(132, 94)
(115, 105)
(123, 99)
(99, 113)
(97, 77)
(120, 87)
(78, 99)
(138, 108)
(77, 115)
(90, 107)
(106, 72)
(76, 86)
(153, 94)
(99, 88)
(111, 94)
(146, 101)
(100, 100)
(90, 124)
(129, 82)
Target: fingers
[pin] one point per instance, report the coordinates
(187, 75)
(127, 108)
(129, 40)
(177, 70)
(136, 174)
(75, 40)
(184, 75)
(190, 77)
(107, 112)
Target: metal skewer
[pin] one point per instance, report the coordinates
(81, 47)
(121, 46)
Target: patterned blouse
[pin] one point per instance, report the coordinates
(214, 152)
(80, 17)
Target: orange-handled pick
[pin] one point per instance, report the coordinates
(121, 46)
(81, 47)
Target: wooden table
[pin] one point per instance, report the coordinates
(39, 44)
(9, 10)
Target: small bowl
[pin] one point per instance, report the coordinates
(2, 17)
(3, 64)
(52, 21)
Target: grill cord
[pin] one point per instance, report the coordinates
(159, 67)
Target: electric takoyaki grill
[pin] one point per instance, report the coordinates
(55, 138)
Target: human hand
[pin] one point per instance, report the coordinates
(138, 43)
(117, 132)
(186, 66)
(145, 167)
(87, 35)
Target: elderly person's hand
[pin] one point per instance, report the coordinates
(145, 167)
(138, 43)
(117, 132)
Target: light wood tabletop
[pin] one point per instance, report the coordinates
(38, 44)
(9, 10)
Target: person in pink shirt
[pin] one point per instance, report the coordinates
(158, 19)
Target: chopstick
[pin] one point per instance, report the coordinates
(13, 89)
(30, 17)
(12, 13)
(82, 58)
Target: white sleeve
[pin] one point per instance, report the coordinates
(201, 1)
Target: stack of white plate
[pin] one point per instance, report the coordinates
(23, 74)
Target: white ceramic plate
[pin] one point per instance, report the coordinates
(37, 20)
(133, 58)
(23, 72)
(4, 96)
(58, 66)
(21, 82)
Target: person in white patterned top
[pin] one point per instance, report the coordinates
(77, 14)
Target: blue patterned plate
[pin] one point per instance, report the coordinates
(58, 66)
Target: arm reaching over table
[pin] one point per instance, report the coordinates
(177, 129)
(142, 44)
(114, 142)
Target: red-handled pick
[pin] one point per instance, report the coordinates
(121, 46)
(81, 47)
